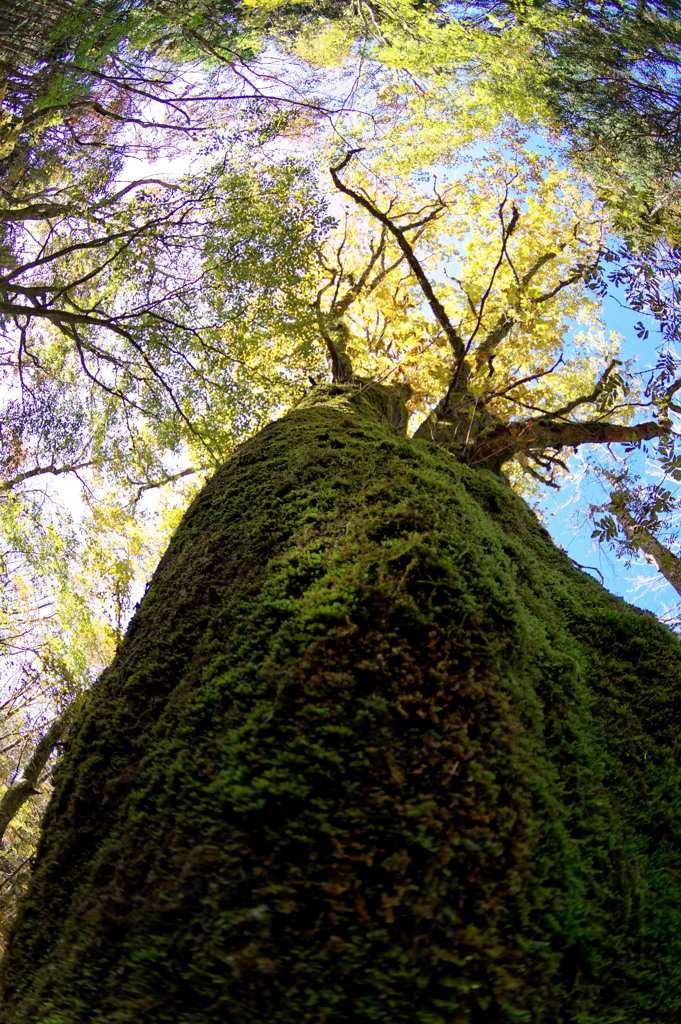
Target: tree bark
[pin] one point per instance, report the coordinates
(16, 795)
(371, 750)
(656, 553)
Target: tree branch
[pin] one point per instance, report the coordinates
(341, 365)
(6, 485)
(505, 440)
(436, 306)
(586, 399)
(487, 347)
(506, 233)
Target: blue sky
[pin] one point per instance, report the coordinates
(564, 512)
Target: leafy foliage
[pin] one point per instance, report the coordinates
(133, 370)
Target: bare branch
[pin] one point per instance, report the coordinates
(342, 305)
(537, 266)
(525, 380)
(398, 234)
(546, 480)
(341, 366)
(585, 399)
(166, 479)
(506, 233)
(506, 440)
(494, 338)
(6, 485)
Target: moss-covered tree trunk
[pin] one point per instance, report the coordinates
(372, 750)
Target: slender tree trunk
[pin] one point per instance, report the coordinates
(656, 553)
(16, 795)
(372, 750)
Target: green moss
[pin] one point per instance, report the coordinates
(372, 750)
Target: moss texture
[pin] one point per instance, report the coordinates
(372, 750)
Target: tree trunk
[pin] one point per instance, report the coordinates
(373, 750)
(665, 561)
(19, 791)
